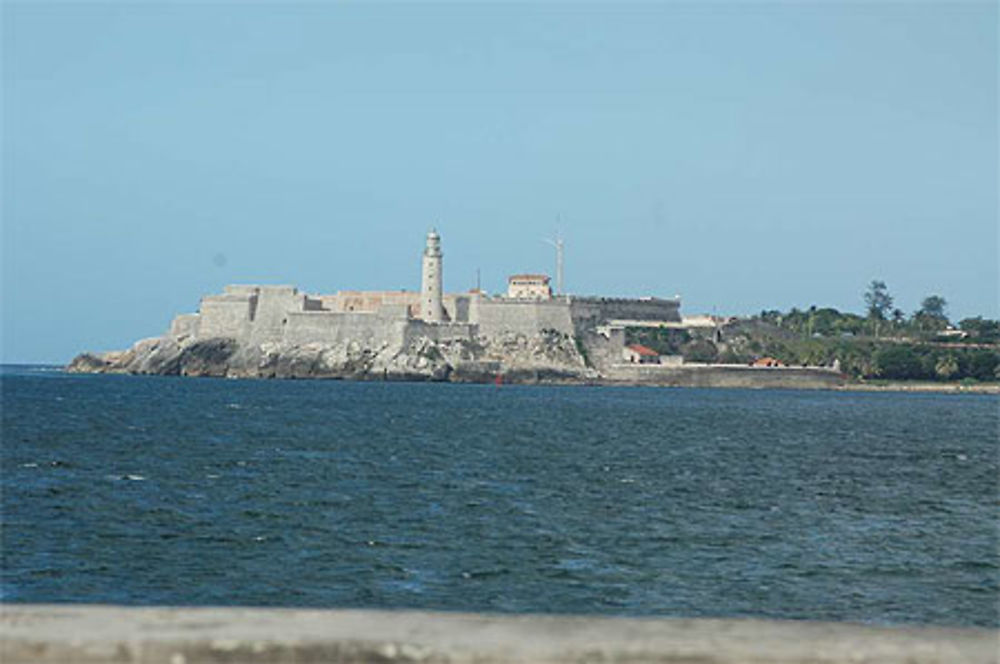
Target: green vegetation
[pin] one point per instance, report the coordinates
(885, 344)
(664, 341)
(879, 303)
(580, 348)
(700, 350)
(980, 329)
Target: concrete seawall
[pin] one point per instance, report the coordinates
(75, 634)
(724, 375)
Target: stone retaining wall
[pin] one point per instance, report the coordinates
(74, 634)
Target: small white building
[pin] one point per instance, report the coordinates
(529, 286)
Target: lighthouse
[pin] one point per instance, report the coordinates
(431, 309)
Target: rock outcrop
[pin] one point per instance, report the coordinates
(549, 356)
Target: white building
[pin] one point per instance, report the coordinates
(529, 286)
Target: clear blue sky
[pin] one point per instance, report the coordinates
(744, 156)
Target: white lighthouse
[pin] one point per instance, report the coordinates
(431, 309)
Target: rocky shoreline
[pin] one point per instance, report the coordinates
(546, 357)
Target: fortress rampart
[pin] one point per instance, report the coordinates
(256, 314)
(326, 327)
(499, 315)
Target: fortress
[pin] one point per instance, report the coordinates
(258, 314)
(527, 334)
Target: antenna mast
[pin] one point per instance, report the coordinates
(559, 265)
(558, 244)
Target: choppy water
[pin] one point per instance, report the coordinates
(862, 507)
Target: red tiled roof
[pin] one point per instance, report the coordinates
(644, 350)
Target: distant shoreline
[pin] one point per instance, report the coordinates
(923, 386)
(918, 387)
(791, 383)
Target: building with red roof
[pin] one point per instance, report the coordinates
(639, 354)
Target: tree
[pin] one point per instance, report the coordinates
(700, 350)
(946, 366)
(983, 364)
(931, 315)
(981, 329)
(898, 362)
(878, 301)
(933, 306)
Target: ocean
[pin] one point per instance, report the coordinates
(865, 507)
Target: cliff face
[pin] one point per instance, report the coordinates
(548, 356)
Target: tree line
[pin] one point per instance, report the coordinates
(887, 343)
(929, 322)
(883, 343)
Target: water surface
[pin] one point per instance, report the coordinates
(618, 501)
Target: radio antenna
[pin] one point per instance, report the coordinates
(558, 244)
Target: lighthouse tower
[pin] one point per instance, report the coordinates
(431, 309)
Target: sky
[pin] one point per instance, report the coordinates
(744, 156)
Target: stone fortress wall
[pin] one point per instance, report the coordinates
(257, 314)
(326, 327)
(261, 313)
(522, 316)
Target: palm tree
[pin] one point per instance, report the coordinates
(946, 366)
